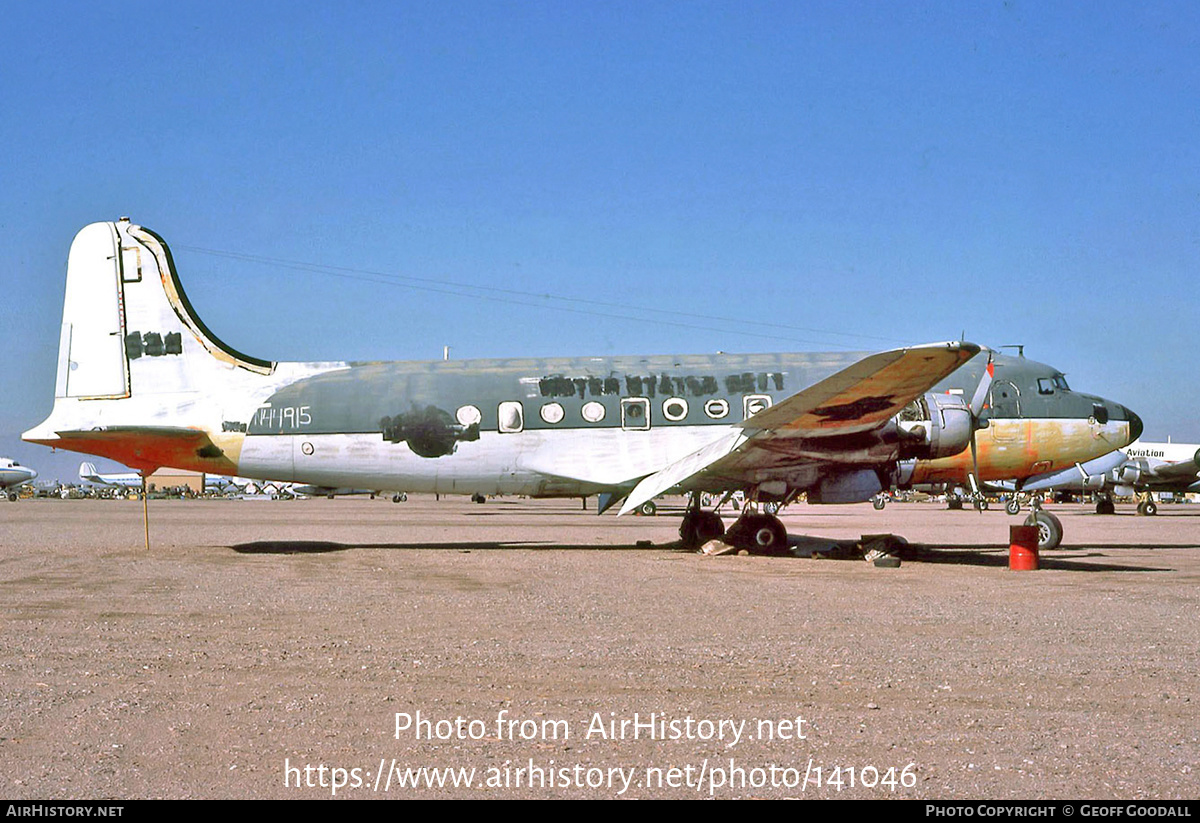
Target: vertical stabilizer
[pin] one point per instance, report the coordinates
(140, 378)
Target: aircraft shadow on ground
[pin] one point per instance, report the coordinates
(322, 547)
(984, 556)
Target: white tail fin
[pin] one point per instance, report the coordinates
(140, 377)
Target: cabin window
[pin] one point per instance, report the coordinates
(592, 411)
(675, 408)
(468, 415)
(716, 409)
(553, 413)
(512, 417)
(635, 413)
(752, 404)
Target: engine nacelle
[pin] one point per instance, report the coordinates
(935, 425)
(1127, 475)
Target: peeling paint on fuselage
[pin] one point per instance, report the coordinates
(335, 436)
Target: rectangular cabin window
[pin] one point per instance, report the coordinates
(512, 417)
(635, 413)
(752, 404)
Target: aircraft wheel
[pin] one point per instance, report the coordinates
(1105, 507)
(981, 505)
(12, 497)
(698, 528)
(1012, 506)
(648, 508)
(399, 497)
(879, 502)
(478, 498)
(1050, 530)
(954, 503)
(1149, 508)
(772, 508)
(759, 534)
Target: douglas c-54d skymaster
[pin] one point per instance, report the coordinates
(143, 381)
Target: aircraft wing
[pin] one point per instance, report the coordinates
(1169, 472)
(1078, 475)
(859, 398)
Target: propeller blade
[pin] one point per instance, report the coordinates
(985, 386)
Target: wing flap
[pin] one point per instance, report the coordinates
(681, 470)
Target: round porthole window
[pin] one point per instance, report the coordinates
(467, 415)
(552, 412)
(675, 408)
(716, 409)
(593, 412)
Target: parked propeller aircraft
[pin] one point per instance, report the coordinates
(123, 480)
(12, 475)
(1140, 468)
(213, 483)
(143, 381)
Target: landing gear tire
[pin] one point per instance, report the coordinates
(759, 534)
(1148, 508)
(478, 498)
(12, 497)
(1050, 530)
(771, 508)
(399, 497)
(1013, 506)
(1105, 506)
(954, 504)
(648, 508)
(981, 505)
(698, 528)
(879, 502)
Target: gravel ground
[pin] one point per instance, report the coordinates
(272, 649)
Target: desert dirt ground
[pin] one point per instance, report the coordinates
(318, 648)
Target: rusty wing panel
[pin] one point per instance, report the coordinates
(866, 394)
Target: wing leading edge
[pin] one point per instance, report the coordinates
(857, 399)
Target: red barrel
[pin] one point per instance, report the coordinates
(1023, 548)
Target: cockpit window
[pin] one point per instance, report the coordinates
(1045, 385)
(1061, 382)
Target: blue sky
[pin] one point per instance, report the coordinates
(818, 175)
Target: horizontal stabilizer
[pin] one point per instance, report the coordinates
(148, 448)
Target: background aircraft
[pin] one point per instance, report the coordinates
(12, 475)
(143, 381)
(124, 480)
(1141, 468)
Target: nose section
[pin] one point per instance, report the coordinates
(1135, 423)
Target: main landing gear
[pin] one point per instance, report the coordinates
(758, 533)
(1146, 506)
